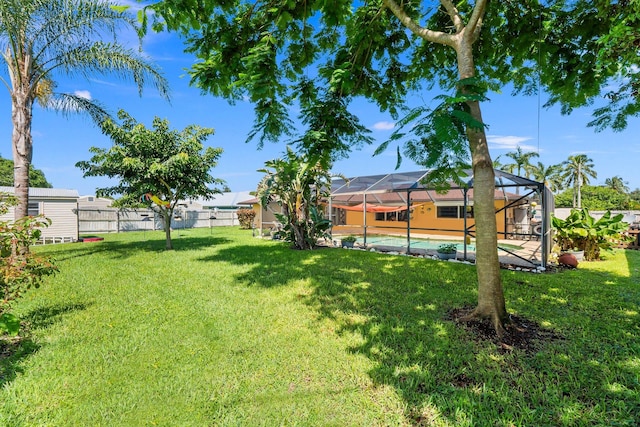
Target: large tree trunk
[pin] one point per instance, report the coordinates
(21, 112)
(491, 303)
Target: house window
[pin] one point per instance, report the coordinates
(447, 211)
(455, 212)
(391, 216)
(33, 209)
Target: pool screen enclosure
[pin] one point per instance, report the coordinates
(405, 202)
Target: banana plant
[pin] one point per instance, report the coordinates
(581, 231)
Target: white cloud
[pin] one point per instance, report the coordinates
(384, 125)
(83, 94)
(510, 142)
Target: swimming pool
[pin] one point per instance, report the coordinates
(401, 242)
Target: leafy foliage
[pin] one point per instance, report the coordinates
(19, 270)
(36, 176)
(169, 164)
(595, 198)
(447, 248)
(245, 217)
(437, 139)
(299, 184)
(521, 165)
(550, 175)
(580, 230)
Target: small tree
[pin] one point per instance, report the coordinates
(167, 165)
(19, 271)
(298, 183)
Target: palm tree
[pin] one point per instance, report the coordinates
(550, 175)
(44, 39)
(618, 184)
(521, 162)
(576, 172)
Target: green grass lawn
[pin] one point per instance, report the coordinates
(230, 330)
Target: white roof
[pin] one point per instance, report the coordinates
(226, 199)
(46, 193)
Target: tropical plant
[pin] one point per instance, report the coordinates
(521, 162)
(299, 184)
(549, 175)
(447, 248)
(617, 184)
(43, 39)
(576, 171)
(156, 167)
(19, 271)
(583, 232)
(245, 217)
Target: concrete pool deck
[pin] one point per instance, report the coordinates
(528, 255)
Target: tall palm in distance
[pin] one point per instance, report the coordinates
(521, 163)
(576, 171)
(44, 39)
(550, 175)
(618, 184)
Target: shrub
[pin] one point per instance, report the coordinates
(582, 232)
(20, 270)
(245, 217)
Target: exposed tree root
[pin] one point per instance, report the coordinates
(478, 315)
(517, 332)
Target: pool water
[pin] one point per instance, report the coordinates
(415, 243)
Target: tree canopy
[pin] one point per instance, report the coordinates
(156, 167)
(322, 55)
(36, 176)
(594, 198)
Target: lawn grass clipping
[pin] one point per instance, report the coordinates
(229, 330)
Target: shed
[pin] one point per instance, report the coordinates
(57, 204)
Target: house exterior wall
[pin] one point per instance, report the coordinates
(61, 212)
(64, 221)
(425, 216)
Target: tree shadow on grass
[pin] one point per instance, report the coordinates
(125, 249)
(14, 350)
(443, 372)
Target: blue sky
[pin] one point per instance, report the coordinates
(60, 142)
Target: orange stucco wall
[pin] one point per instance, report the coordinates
(424, 215)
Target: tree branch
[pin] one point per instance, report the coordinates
(475, 22)
(415, 28)
(454, 14)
